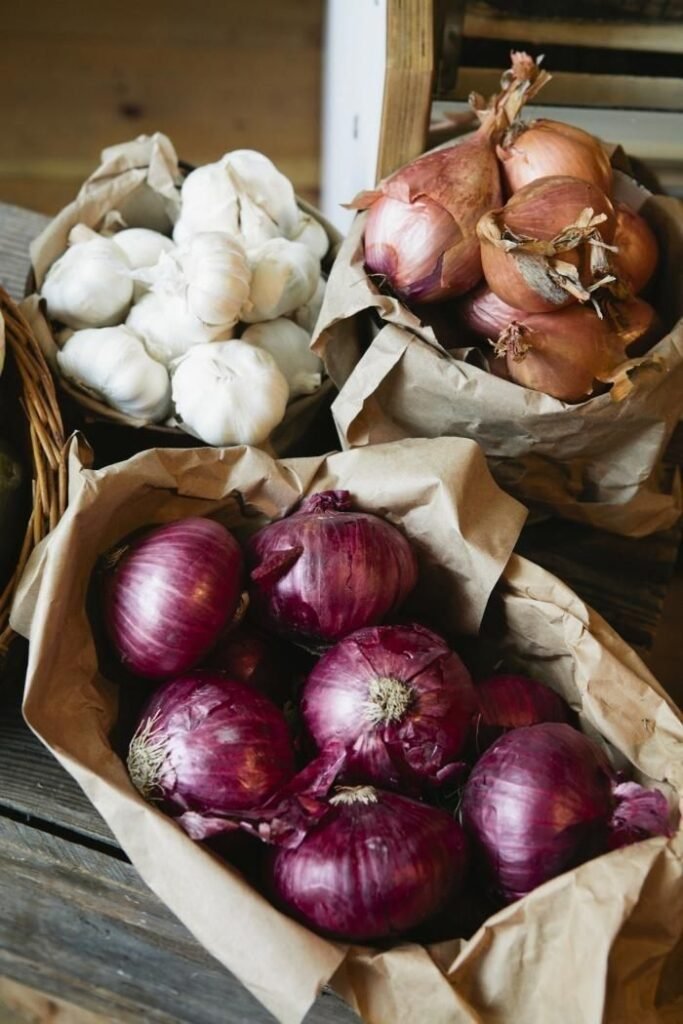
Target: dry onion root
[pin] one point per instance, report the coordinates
(547, 247)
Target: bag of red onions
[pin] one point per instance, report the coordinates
(581, 947)
(593, 456)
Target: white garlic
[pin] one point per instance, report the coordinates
(89, 285)
(112, 363)
(141, 246)
(284, 276)
(306, 316)
(243, 194)
(218, 277)
(169, 328)
(289, 345)
(229, 393)
(311, 233)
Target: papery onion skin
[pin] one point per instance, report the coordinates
(485, 314)
(170, 594)
(398, 699)
(326, 570)
(546, 148)
(534, 222)
(371, 869)
(638, 251)
(210, 745)
(537, 803)
(636, 324)
(508, 701)
(563, 354)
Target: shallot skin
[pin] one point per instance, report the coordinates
(545, 148)
(638, 252)
(371, 870)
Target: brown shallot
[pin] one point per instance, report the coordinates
(545, 148)
(637, 251)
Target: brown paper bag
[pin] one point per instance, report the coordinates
(595, 462)
(584, 948)
(138, 183)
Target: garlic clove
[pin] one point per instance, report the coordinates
(89, 285)
(285, 276)
(289, 345)
(209, 202)
(257, 178)
(169, 328)
(229, 393)
(217, 276)
(111, 362)
(141, 246)
(312, 234)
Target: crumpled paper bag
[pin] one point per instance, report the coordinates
(584, 948)
(138, 183)
(596, 462)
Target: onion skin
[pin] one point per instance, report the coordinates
(251, 656)
(537, 803)
(509, 701)
(523, 243)
(325, 571)
(170, 595)
(546, 148)
(210, 745)
(636, 324)
(563, 354)
(638, 251)
(484, 314)
(398, 700)
(372, 869)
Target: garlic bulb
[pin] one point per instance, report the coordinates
(288, 344)
(243, 194)
(306, 316)
(169, 328)
(113, 364)
(229, 393)
(89, 285)
(284, 276)
(312, 234)
(218, 277)
(141, 246)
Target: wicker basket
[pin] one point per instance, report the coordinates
(43, 444)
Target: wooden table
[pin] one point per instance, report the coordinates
(76, 921)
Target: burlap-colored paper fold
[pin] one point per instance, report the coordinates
(576, 932)
(596, 462)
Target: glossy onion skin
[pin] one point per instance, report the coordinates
(638, 255)
(536, 804)
(510, 701)
(371, 871)
(170, 595)
(252, 657)
(341, 570)
(227, 747)
(416, 748)
(483, 313)
(547, 148)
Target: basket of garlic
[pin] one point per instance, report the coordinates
(31, 436)
(548, 327)
(182, 300)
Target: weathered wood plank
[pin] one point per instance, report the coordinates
(80, 925)
(22, 1005)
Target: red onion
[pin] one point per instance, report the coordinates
(508, 701)
(483, 313)
(169, 595)
(376, 865)
(544, 249)
(210, 746)
(563, 354)
(546, 148)
(539, 802)
(637, 251)
(252, 657)
(397, 699)
(420, 233)
(325, 571)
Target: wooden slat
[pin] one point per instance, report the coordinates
(22, 1005)
(637, 91)
(485, 22)
(80, 925)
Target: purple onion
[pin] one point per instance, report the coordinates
(542, 800)
(210, 746)
(509, 701)
(377, 865)
(170, 594)
(252, 657)
(397, 699)
(325, 571)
